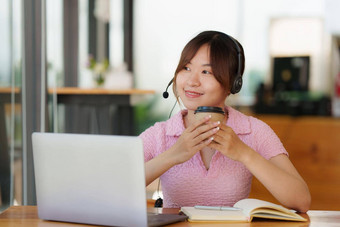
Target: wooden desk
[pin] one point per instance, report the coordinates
(82, 104)
(97, 91)
(27, 216)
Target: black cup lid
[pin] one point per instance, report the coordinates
(213, 109)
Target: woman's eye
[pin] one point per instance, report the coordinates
(186, 68)
(206, 72)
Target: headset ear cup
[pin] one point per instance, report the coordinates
(237, 85)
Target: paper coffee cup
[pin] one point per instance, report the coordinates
(217, 113)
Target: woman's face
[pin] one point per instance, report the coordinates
(196, 84)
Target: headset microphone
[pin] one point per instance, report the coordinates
(165, 93)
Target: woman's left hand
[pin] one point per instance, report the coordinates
(229, 144)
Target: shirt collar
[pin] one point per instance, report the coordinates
(175, 125)
(236, 120)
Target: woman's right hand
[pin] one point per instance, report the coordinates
(193, 139)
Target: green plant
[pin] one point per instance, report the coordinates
(98, 69)
(145, 116)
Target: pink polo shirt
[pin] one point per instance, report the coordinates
(226, 181)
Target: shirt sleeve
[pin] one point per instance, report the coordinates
(267, 142)
(149, 142)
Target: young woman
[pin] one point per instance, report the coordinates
(195, 170)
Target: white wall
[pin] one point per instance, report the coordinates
(5, 54)
(304, 37)
(258, 14)
(55, 53)
(332, 17)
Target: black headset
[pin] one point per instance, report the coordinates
(237, 84)
(166, 93)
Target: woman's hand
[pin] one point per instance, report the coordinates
(290, 190)
(193, 139)
(229, 144)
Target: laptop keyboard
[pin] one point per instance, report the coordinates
(164, 219)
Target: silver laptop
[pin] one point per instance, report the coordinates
(92, 179)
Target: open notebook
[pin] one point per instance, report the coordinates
(92, 179)
(246, 210)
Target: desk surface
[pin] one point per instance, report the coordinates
(27, 216)
(97, 91)
(85, 91)
(7, 90)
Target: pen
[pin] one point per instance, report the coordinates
(216, 208)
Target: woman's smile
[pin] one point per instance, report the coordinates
(192, 94)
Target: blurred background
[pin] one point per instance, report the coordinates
(291, 79)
